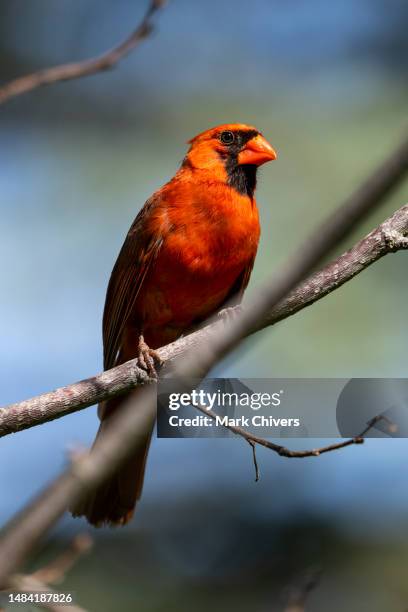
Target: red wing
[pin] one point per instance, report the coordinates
(135, 259)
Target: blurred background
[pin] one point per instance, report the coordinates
(327, 85)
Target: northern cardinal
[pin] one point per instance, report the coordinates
(190, 249)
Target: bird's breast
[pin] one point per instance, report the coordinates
(206, 248)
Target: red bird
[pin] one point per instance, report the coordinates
(190, 249)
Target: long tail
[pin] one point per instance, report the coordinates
(113, 502)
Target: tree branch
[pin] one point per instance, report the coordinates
(55, 571)
(76, 70)
(389, 237)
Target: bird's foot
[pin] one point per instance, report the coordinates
(148, 358)
(230, 314)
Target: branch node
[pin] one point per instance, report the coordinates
(393, 240)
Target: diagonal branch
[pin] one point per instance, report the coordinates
(389, 237)
(76, 70)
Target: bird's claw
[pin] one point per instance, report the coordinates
(148, 358)
(230, 313)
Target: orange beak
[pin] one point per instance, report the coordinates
(257, 151)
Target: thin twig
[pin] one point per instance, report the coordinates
(76, 70)
(283, 451)
(255, 460)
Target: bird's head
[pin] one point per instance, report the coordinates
(232, 153)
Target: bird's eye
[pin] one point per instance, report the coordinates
(227, 137)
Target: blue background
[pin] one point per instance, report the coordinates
(326, 83)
